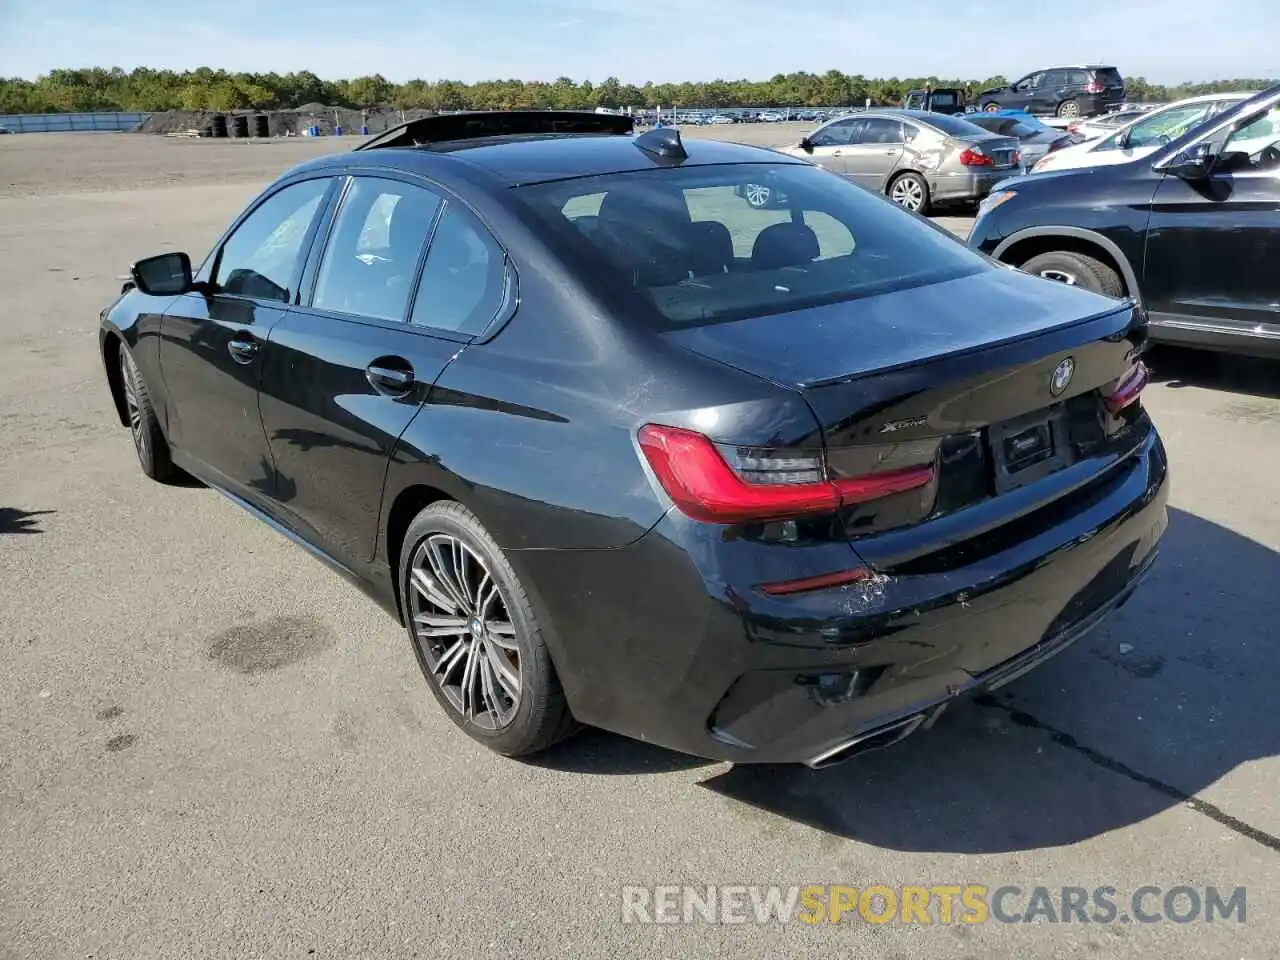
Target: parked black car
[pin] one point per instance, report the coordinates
(1191, 231)
(1060, 91)
(948, 100)
(616, 447)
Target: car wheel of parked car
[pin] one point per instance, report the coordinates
(909, 190)
(758, 195)
(991, 107)
(1069, 109)
(476, 635)
(1078, 270)
(148, 439)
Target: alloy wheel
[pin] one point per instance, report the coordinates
(1069, 109)
(907, 192)
(137, 427)
(463, 628)
(758, 195)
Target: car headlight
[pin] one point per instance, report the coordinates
(993, 200)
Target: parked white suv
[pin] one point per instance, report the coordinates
(1143, 136)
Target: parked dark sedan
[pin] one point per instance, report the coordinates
(618, 448)
(1191, 230)
(1035, 139)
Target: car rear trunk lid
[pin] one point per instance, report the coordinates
(990, 383)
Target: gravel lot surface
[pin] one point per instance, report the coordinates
(212, 747)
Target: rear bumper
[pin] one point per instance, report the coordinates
(967, 185)
(667, 640)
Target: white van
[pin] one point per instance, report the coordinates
(1143, 136)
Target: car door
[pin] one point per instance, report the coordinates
(1213, 244)
(211, 343)
(1022, 92)
(874, 153)
(346, 371)
(1052, 89)
(828, 143)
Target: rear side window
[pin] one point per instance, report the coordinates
(695, 245)
(876, 130)
(944, 99)
(1078, 78)
(372, 255)
(465, 282)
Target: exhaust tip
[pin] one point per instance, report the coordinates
(876, 739)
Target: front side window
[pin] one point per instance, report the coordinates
(838, 134)
(372, 255)
(1258, 141)
(683, 247)
(263, 257)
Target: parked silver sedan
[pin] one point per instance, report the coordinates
(918, 159)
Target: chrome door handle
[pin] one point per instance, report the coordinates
(391, 381)
(243, 351)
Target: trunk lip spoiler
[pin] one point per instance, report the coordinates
(1129, 306)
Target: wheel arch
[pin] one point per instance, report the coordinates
(112, 343)
(404, 506)
(1020, 247)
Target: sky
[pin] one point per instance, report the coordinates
(1166, 41)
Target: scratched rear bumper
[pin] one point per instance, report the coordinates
(667, 641)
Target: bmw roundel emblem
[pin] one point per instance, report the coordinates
(1061, 377)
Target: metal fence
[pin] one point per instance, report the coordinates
(70, 122)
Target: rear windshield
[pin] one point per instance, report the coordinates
(1109, 76)
(1007, 126)
(693, 245)
(952, 126)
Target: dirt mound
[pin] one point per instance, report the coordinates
(282, 123)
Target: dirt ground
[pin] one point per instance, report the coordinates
(210, 746)
(46, 164)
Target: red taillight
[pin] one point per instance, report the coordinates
(974, 157)
(1095, 87)
(1128, 388)
(1017, 156)
(766, 484)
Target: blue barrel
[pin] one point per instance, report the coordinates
(337, 131)
(364, 131)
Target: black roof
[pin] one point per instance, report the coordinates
(514, 160)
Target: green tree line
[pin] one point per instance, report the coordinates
(144, 89)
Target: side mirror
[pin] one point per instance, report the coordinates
(164, 275)
(806, 145)
(1193, 163)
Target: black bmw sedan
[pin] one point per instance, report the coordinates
(619, 449)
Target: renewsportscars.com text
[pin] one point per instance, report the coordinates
(931, 904)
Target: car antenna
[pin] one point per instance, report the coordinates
(663, 142)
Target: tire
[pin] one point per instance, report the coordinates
(479, 654)
(991, 106)
(758, 196)
(909, 191)
(1077, 269)
(148, 439)
(1069, 109)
